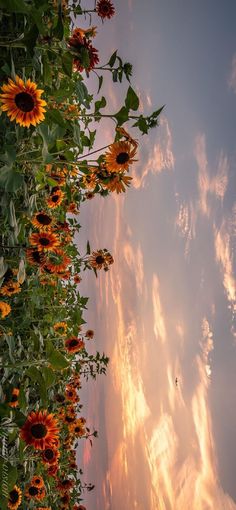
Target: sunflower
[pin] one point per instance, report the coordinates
(77, 278)
(52, 470)
(60, 327)
(100, 259)
(5, 309)
(15, 497)
(71, 394)
(105, 9)
(87, 55)
(89, 334)
(65, 499)
(47, 241)
(40, 430)
(37, 481)
(65, 485)
(89, 195)
(35, 257)
(14, 397)
(50, 456)
(55, 199)
(77, 428)
(117, 182)
(57, 261)
(42, 220)
(10, 288)
(72, 208)
(22, 102)
(33, 492)
(74, 344)
(119, 156)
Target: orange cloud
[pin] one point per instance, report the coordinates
(224, 255)
(159, 321)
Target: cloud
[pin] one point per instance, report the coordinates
(225, 256)
(186, 223)
(208, 185)
(232, 77)
(207, 345)
(159, 156)
(159, 322)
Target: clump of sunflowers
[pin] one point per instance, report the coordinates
(49, 122)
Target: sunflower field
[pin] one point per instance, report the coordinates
(50, 165)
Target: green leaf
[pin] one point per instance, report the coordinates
(12, 476)
(58, 31)
(88, 251)
(19, 418)
(112, 59)
(57, 360)
(48, 375)
(67, 63)
(100, 82)
(142, 125)
(4, 410)
(47, 73)
(10, 180)
(101, 103)
(122, 116)
(3, 267)
(55, 117)
(30, 38)
(22, 399)
(37, 17)
(131, 100)
(17, 6)
(78, 10)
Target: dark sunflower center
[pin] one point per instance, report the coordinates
(55, 198)
(33, 491)
(14, 398)
(24, 102)
(77, 429)
(122, 158)
(73, 342)
(37, 481)
(69, 419)
(44, 241)
(38, 431)
(100, 259)
(44, 219)
(10, 289)
(105, 9)
(49, 454)
(37, 257)
(14, 496)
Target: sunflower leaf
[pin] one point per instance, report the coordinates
(17, 6)
(57, 360)
(112, 60)
(67, 63)
(122, 115)
(131, 100)
(10, 180)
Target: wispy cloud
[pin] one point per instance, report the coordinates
(232, 77)
(159, 322)
(186, 223)
(160, 156)
(225, 257)
(209, 185)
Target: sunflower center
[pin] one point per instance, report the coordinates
(33, 491)
(37, 481)
(44, 219)
(14, 496)
(14, 398)
(100, 259)
(55, 198)
(44, 241)
(49, 454)
(122, 158)
(24, 102)
(36, 256)
(38, 431)
(73, 343)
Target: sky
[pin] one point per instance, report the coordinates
(167, 306)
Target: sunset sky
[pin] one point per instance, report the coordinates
(167, 306)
